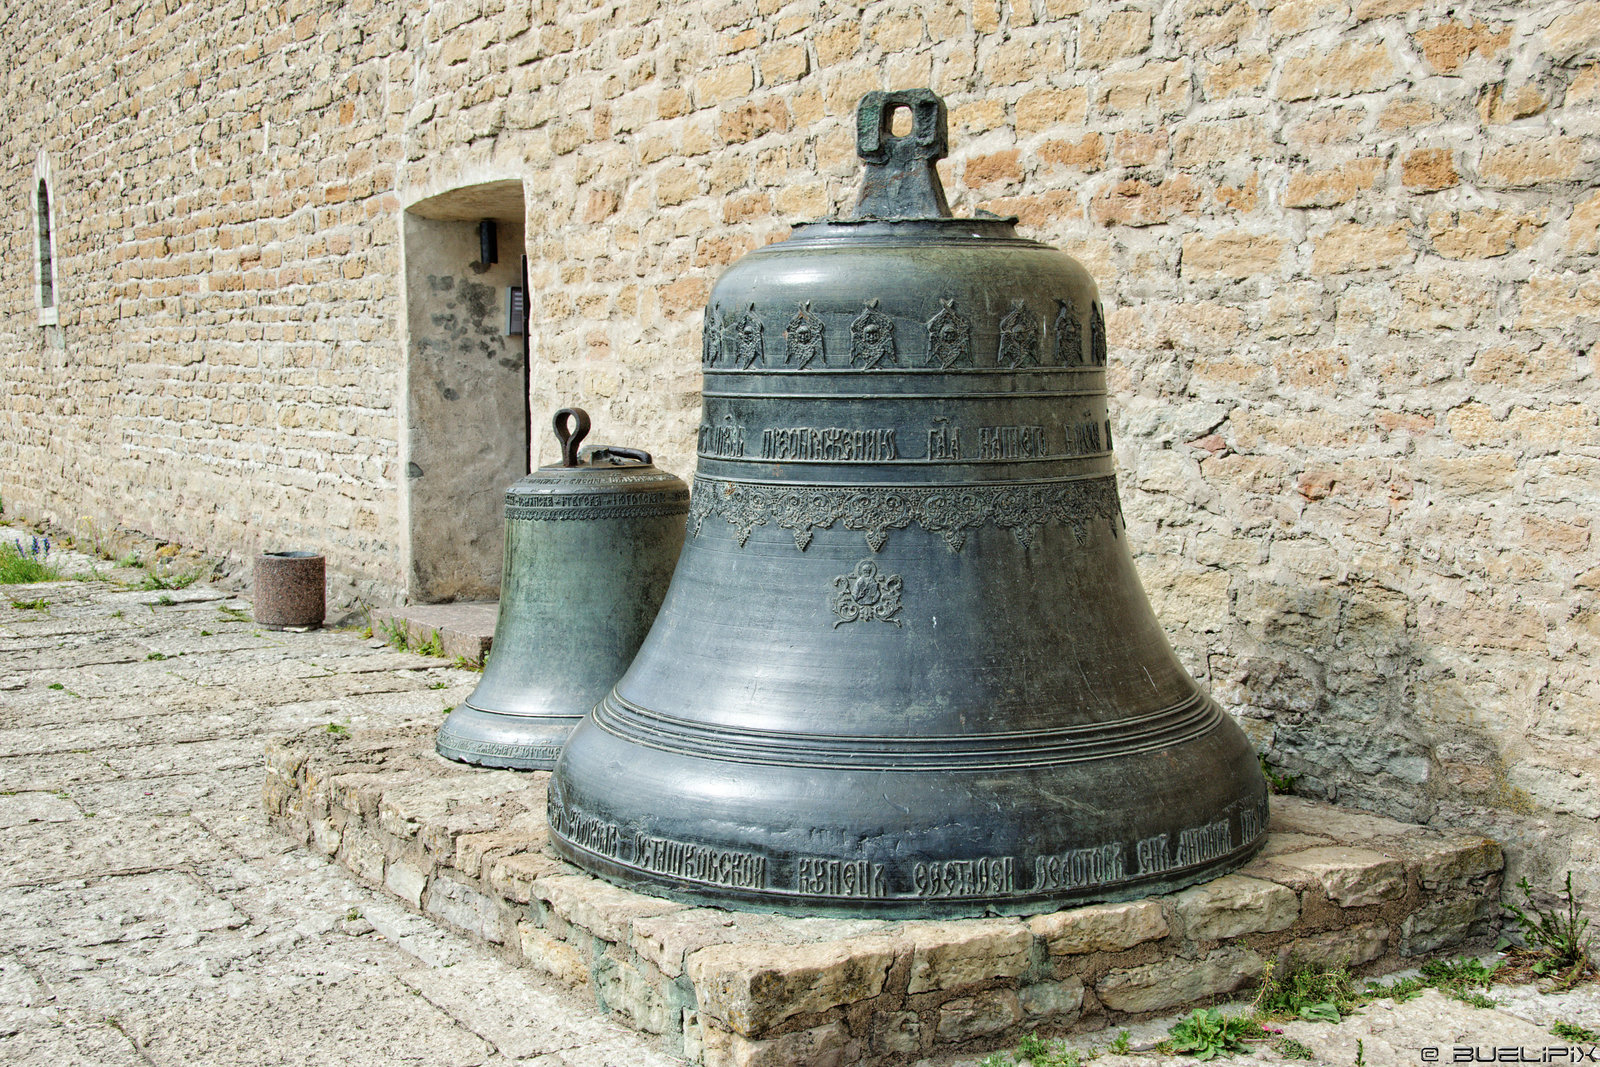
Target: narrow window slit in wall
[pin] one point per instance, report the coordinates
(47, 253)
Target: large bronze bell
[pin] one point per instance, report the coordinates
(590, 546)
(905, 666)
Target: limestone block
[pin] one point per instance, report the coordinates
(1099, 927)
(1352, 246)
(989, 1012)
(465, 907)
(1040, 109)
(1123, 33)
(1350, 877)
(513, 876)
(621, 988)
(820, 1046)
(1344, 947)
(1234, 905)
(1231, 255)
(1429, 169)
(896, 1033)
(559, 959)
(754, 986)
(950, 954)
(1440, 924)
(1482, 234)
(406, 880)
(600, 908)
(667, 940)
(1454, 864)
(1351, 68)
(1059, 1001)
(1174, 982)
(1535, 162)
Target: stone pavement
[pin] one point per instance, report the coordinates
(148, 914)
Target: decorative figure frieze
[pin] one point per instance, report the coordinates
(950, 511)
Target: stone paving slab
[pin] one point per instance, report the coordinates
(469, 848)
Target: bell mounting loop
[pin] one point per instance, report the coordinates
(571, 438)
(901, 180)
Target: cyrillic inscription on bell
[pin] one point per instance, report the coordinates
(905, 665)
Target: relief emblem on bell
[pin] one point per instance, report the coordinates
(905, 666)
(866, 593)
(949, 338)
(803, 337)
(1069, 336)
(747, 339)
(871, 337)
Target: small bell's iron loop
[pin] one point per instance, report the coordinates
(589, 550)
(571, 437)
(906, 667)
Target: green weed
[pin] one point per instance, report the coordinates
(1282, 784)
(236, 614)
(22, 563)
(1291, 1049)
(1038, 1051)
(1571, 1032)
(1317, 994)
(1460, 978)
(157, 656)
(396, 634)
(36, 604)
(158, 580)
(57, 685)
(433, 646)
(1206, 1033)
(337, 729)
(1555, 934)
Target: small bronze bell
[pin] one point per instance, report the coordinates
(590, 547)
(906, 666)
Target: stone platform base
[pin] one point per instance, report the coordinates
(469, 847)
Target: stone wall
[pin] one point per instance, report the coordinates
(1347, 248)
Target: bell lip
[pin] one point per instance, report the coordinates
(467, 736)
(902, 908)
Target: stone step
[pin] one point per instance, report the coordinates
(469, 847)
(465, 629)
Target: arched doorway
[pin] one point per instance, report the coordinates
(466, 399)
